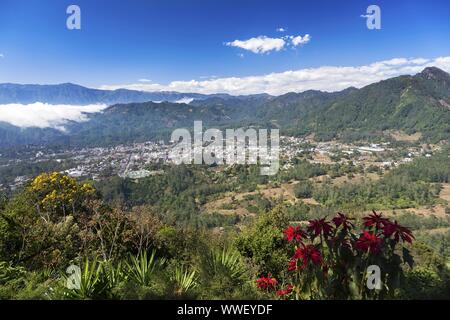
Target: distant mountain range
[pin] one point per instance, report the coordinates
(419, 103)
(68, 93)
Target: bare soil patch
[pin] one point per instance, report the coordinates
(402, 136)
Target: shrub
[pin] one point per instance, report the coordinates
(263, 242)
(330, 259)
(303, 190)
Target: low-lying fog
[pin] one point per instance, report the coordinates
(43, 115)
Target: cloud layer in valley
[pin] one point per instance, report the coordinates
(42, 115)
(326, 78)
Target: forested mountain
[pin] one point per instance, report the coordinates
(68, 93)
(419, 103)
(409, 103)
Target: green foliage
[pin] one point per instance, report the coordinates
(184, 280)
(225, 262)
(303, 190)
(93, 282)
(54, 222)
(141, 269)
(433, 169)
(424, 283)
(303, 170)
(393, 191)
(263, 242)
(8, 272)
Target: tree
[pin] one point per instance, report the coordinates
(40, 226)
(56, 195)
(263, 242)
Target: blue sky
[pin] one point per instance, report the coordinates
(164, 41)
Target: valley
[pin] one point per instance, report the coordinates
(343, 152)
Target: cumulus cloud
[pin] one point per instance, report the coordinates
(264, 44)
(261, 44)
(299, 40)
(281, 30)
(325, 78)
(43, 115)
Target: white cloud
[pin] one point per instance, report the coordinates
(144, 80)
(208, 77)
(264, 44)
(326, 78)
(43, 115)
(281, 30)
(261, 44)
(185, 100)
(298, 40)
(2, 55)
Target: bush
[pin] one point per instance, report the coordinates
(263, 242)
(330, 259)
(303, 190)
(423, 283)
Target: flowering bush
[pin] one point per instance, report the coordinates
(331, 258)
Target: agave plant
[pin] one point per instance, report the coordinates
(140, 269)
(184, 280)
(225, 262)
(92, 282)
(115, 273)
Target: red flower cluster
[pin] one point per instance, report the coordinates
(305, 255)
(266, 283)
(320, 226)
(286, 291)
(294, 233)
(375, 219)
(388, 228)
(398, 231)
(344, 221)
(369, 242)
(325, 260)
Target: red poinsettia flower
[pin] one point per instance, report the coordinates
(292, 265)
(398, 231)
(375, 219)
(266, 283)
(343, 220)
(294, 233)
(286, 291)
(305, 255)
(369, 242)
(341, 241)
(320, 226)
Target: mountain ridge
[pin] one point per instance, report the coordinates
(417, 103)
(74, 94)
